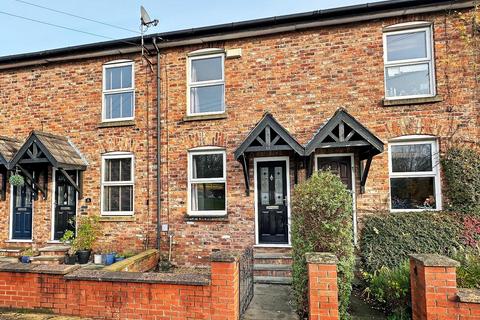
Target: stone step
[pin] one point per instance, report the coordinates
(272, 270)
(4, 259)
(272, 280)
(273, 258)
(47, 259)
(54, 250)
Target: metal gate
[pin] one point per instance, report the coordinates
(246, 279)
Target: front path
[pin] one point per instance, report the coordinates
(271, 302)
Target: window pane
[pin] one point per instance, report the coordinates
(407, 46)
(412, 158)
(207, 166)
(208, 196)
(119, 105)
(111, 198)
(206, 99)
(126, 193)
(118, 169)
(207, 69)
(413, 193)
(118, 77)
(408, 80)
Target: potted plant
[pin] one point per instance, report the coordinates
(67, 239)
(119, 257)
(98, 258)
(87, 233)
(26, 255)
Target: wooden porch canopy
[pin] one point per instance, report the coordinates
(267, 135)
(344, 131)
(48, 149)
(8, 148)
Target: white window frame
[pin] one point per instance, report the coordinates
(208, 83)
(434, 173)
(117, 155)
(409, 62)
(191, 181)
(114, 64)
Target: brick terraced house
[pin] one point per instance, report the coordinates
(235, 115)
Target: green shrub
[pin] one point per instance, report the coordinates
(322, 222)
(391, 289)
(388, 239)
(468, 274)
(462, 175)
(88, 231)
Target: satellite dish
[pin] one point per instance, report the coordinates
(145, 18)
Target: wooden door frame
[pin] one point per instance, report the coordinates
(10, 235)
(54, 195)
(354, 191)
(287, 173)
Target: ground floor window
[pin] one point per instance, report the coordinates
(414, 174)
(207, 182)
(117, 184)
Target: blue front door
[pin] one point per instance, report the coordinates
(22, 213)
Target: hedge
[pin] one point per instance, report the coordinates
(462, 175)
(388, 239)
(322, 222)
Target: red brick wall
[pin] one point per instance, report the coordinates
(302, 78)
(66, 99)
(322, 287)
(125, 300)
(435, 294)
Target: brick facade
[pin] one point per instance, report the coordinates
(301, 77)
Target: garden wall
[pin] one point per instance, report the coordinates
(101, 294)
(434, 290)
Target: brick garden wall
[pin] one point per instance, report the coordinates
(113, 295)
(302, 77)
(435, 295)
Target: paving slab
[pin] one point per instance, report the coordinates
(4, 315)
(271, 302)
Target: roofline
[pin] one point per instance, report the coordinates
(236, 30)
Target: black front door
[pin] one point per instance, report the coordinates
(272, 202)
(65, 205)
(342, 166)
(22, 213)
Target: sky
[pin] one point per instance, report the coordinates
(18, 35)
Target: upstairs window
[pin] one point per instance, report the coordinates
(409, 69)
(414, 175)
(117, 184)
(118, 91)
(206, 84)
(207, 182)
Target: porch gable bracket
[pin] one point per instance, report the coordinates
(244, 162)
(343, 130)
(365, 172)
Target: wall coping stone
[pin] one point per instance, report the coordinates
(321, 258)
(434, 260)
(122, 265)
(61, 269)
(468, 295)
(224, 256)
(140, 277)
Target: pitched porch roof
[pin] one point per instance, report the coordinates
(42, 147)
(343, 130)
(268, 135)
(8, 148)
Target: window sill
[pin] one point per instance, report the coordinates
(404, 102)
(116, 219)
(223, 218)
(111, 124)
(202, 117)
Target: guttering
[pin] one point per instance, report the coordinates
(159, 153)
(238, 30)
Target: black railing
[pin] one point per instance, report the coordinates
(246, 279)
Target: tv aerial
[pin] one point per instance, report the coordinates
(145, 23)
